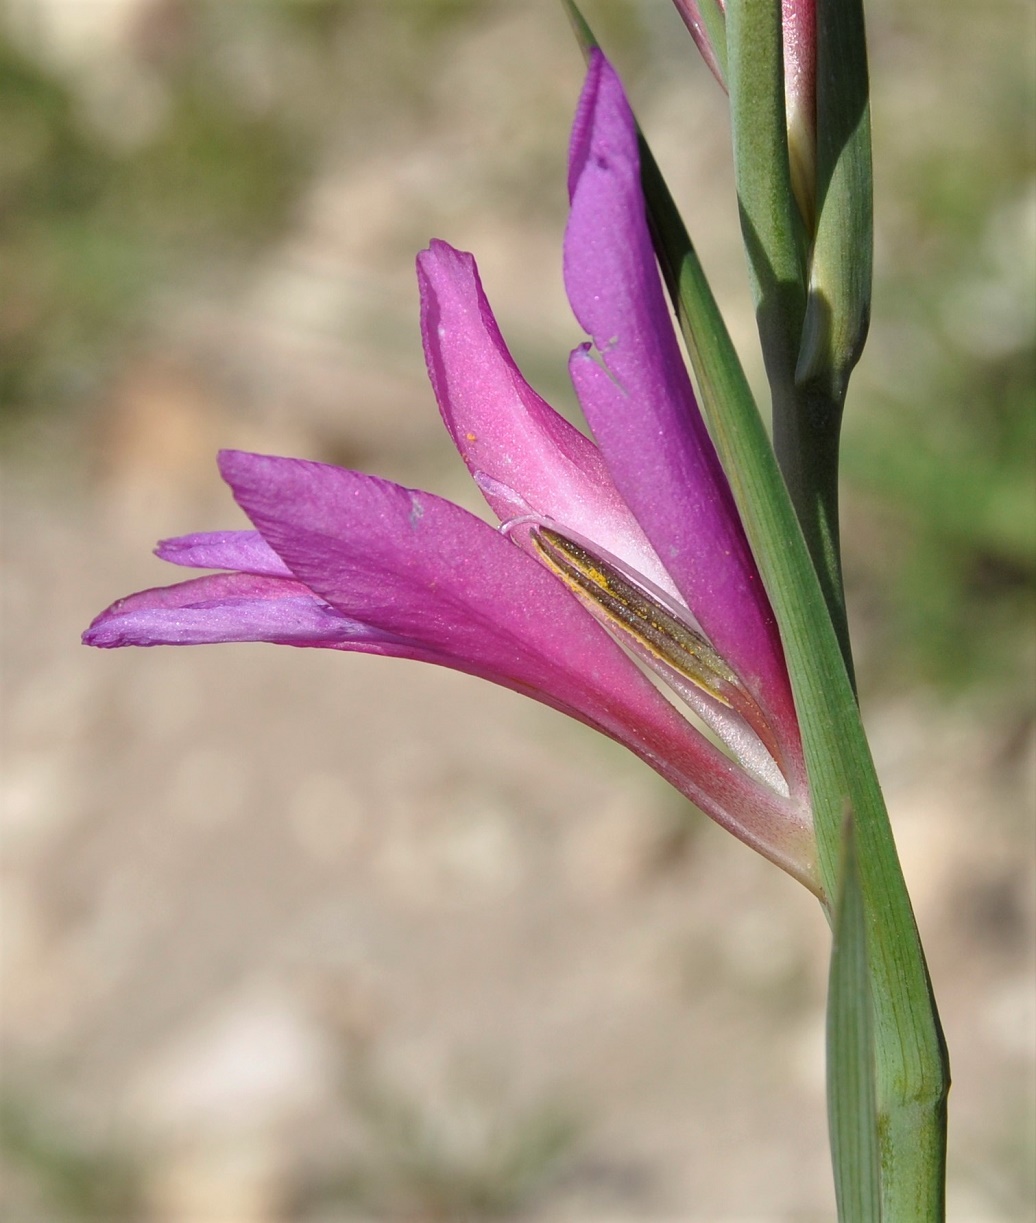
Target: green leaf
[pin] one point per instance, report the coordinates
(805, 426)
(714, 22)
(838, 303)
(851, 1098)
(911, 1071)
(771, 224)
(910, 1059)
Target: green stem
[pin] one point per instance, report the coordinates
(806, 429)
(852, 1107)
(911, 1070)
(911, 1075)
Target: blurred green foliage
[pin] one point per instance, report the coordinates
(93, 226)
(940, 433)
(411, 1169)
(222, 113)
(51, 1174)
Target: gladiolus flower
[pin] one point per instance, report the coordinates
(616, 559)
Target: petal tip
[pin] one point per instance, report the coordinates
(101, 633)
(229, 460)
(440, 255)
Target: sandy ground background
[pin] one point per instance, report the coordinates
(293, 936)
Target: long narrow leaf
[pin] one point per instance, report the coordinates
(911, 1072)
(771, 223)
(707, 23)
(838, 303)
(851, 1097)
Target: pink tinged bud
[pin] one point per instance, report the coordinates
(800, 101)
(798, 19)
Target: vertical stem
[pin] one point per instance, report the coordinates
(852, 1107)
(806, 428)
(911, 1076)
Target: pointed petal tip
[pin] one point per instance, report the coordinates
(100, 632)
(229, 461)
(93, 636)
(234, 551)
(440, 256)
(106, 638)
(438, 248)
(108, 631)
(246, 469)
(235, 463)
(173, 548)
(602, 104)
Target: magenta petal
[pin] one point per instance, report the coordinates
(640, 404)
(345, 561)
(241, 607)
(224, 607)
(240, 551)
(426, 572)
(526, 458)
(423, 570)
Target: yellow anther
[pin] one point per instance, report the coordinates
(656, 629)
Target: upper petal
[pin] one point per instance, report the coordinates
(639, 402)
(525, 456)
(424, 570)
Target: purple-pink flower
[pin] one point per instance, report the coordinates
(615, 557)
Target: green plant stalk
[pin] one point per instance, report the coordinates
(839, 295)
(911, 1073)
(807, 408)
(807, 425)
(774, 231)
(850, 1048)
(910, 1063)
(803, 580)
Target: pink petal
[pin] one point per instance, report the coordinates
(525, 457)
(421, 570)
(242, 551)
(640, 404)
(225, 607)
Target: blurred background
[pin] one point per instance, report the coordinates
(291, 937)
